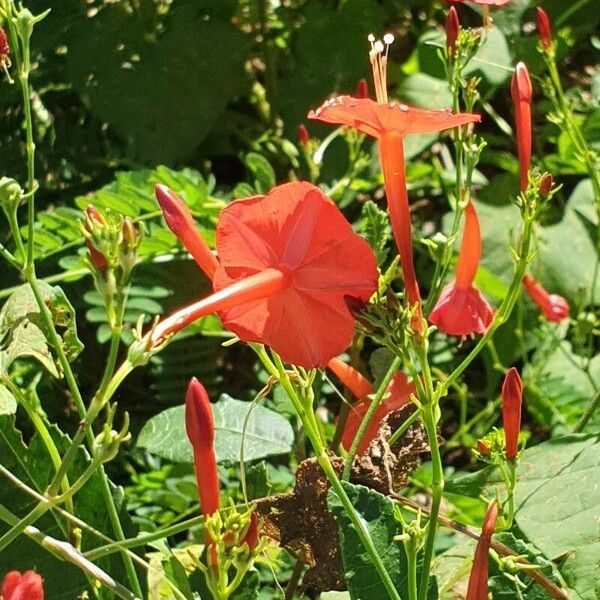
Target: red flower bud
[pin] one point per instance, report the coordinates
(546, 185)
(554, 307)
(483, 448)
(362, 89)
(452, 31)
(252, 534)
(478, 580)
(512, 399)
(181, 223)
(4, 47)
(303, 136)
(521, 91)
(129, 231)
(96, 257)
(200, 430)
(544, 28)
(29, 586)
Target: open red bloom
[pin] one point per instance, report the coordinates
(478, 580)
(389, 122)
(289, 263)
(399, 392)
(554, 307)
(461, 309)
(512, 400)
(521, 91)
(28, 586)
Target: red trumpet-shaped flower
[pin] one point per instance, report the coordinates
(200, 429)
(554, 307)
(521, 92)
(389, 122)
(478, 581)
(452, 30)
(181, 223)
(289, 265)
(399, 392)
(512, 400)
(28, 586)
(461, 308)
(544, 28)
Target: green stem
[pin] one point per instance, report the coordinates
(411, 559)
(364, 424)
(403, 428)
(591, 409)
(312, 431)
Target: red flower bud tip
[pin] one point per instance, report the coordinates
(94, 216)
(483, 448)
(96, 257)
(452, 31)
(303, 136)
(478, 580)
(129, 231)
(544, 28)
(461, 309)
(252, 534)
(546, 185)
(181, 223)
(200, 430)
(362, 89)
(512, 399)
(521, 92)
(554, 307)
(29, 586)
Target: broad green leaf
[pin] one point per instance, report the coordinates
(266, 432)
(558, 502)
(377, 514)
(580, 571)
(22, 330)
(188, 59)
(262, 170)
(8, 404)
(425, 91)
(493, 61)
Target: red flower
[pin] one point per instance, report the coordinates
(288, 264)
(521, 92)
(29, 586)
(181, 223)
(95, 219)
(452, 31)
(200, 428)
(461, 309)
(544, 28)
(512, 400)
(478, 581)
(399, 395)
(554, 307)
(4, 47)
(389, 122)
(303, 136)
(546, 185)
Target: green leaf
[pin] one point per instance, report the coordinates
(375, 226)
(22, 330)
(580, 571)
(8, 404)
(266, 432)
(425, 91)
(262, 170)
(377, 514)
(493, 61)
(556, 495)
(186, 57)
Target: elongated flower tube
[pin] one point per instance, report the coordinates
(181, 223)
(544, 28)
(554, 307)
(28, 586)
(521, 91)
(461, 309)
(512, 400)
(389, 122)
(289, 267)
(200, 429)
(478, 581)
(452, 30)
(399, 392)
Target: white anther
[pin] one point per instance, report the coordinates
(388, 39)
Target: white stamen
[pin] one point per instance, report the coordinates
(388, 39)
(378, 46)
